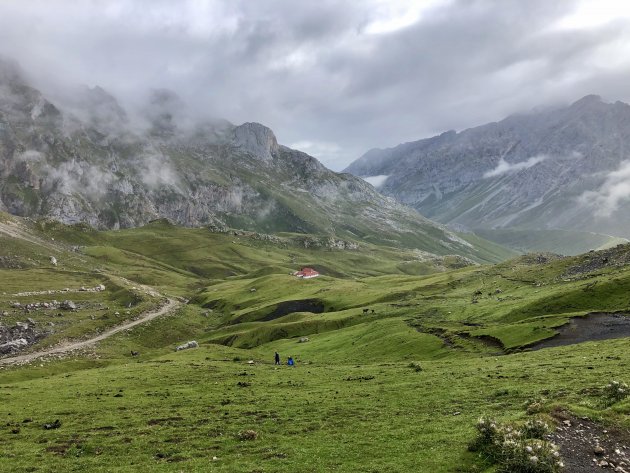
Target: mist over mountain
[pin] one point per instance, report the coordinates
(83, 159)
(564, 168)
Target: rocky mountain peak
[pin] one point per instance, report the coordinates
(560, 168)
(256, 139)
(587, 100)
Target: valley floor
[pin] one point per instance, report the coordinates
(188, 411)
(397, 354)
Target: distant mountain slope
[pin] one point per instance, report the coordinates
(566, 168)
(91, 164)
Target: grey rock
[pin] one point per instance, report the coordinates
(187, 345)
(13, 346)
(68, 305)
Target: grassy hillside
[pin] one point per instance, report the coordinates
(555, 241)
(398, 352)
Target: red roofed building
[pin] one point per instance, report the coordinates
(306, 273)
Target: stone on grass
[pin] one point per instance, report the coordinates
(248, 435)
(187, 345)
(68, 305)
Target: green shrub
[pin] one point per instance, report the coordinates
(535, 429)
(534, 406)
(615, 391)
(517, 449)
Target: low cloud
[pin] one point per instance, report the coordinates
(157, 171)
(507, 168)
(73, 177)
(376, 181)
(359, 74)
(614, 191)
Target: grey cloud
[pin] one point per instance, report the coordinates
(503, 167)
(311, 72)
(614, 192)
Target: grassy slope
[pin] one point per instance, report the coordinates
(555, 241)
(352, 404)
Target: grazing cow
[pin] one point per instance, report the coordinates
(372, 310)
(135, 353)
(365, 311)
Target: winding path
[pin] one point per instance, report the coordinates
(71, 346)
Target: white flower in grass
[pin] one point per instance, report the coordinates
(533, 459)
(529, 449)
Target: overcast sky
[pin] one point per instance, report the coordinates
(332, 78)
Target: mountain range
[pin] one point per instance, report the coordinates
(556, 178)
(84, 160)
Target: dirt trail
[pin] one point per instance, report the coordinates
(67, 347)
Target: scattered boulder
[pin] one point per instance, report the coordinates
(52, 425)
(187, 345)
(303, 340)
(68, 305)
(248, 435)
(100, 287)
(13, 346)
(53, 261)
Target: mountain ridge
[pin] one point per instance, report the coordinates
(101, 169)
(553, 169)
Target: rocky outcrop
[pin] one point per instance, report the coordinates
(18, 337)
(257, 140)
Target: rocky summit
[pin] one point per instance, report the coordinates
(84, 160)
(556, 169)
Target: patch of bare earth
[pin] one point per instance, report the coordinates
(588, 447)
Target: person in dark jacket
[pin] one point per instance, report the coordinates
(277, 358)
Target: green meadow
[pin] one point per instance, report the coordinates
(398, 353)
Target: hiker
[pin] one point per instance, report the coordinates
(277, 358)
(290, 361)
